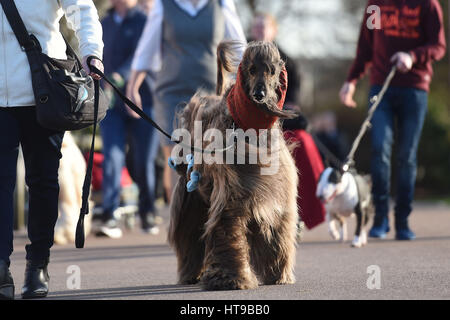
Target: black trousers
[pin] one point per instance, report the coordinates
(41, 150)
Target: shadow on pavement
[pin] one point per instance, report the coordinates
(126, 292)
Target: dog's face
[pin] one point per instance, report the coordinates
(330, 185)
(261, 67)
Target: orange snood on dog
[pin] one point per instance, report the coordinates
(246, 114)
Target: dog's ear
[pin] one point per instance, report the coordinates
(335, 176)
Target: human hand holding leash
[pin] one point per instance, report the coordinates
(93, 62)
(403, 61)
(346, 94)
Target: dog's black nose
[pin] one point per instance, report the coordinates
(260, 92)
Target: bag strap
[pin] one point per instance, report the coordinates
(79, 235)
(17, 25)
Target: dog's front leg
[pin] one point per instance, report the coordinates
(188, 214)
(358, 240)
(227, 257)
(343, 230)
(331, 219)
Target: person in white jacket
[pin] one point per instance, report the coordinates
(41, 147)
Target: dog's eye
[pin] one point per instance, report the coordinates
(252, 70)
(272, 70)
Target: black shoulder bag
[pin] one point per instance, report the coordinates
(67, 98)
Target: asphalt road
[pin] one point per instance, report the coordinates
(140, 266)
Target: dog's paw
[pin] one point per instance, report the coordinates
(216, 279)
(287, 278)
(189, 278)
(364, 238)
(357, 242)
(335, 235)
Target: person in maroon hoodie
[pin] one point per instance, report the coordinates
(410, 35)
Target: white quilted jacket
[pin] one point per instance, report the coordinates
(41, 18)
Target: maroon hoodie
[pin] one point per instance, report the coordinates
(413, 26)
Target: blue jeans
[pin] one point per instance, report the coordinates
(41, 151)
(119, 129)
(407, 108)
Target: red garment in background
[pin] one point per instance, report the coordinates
(310, 166)
(97, 173)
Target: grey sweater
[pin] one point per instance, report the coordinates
(188, 54)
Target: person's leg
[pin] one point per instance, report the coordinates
(382, 139)
(411, 112)
(144, 143)
(9, 149)
(42, 152)
(113, 137)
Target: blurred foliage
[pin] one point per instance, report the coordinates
(434, 149)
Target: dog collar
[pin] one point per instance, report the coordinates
(245, 112)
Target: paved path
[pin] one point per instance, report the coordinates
(140, 266)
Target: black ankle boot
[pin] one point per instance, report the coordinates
(6, 282)
(36, 280)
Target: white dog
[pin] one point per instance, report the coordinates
(343, 194)
(72, 169)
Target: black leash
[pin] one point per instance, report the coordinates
(143, 115)
(80, 234)
(130, 104)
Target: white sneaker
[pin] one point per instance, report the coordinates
(110, 229)
(153, 230)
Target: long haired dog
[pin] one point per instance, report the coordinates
(345, 193)
(238, 228)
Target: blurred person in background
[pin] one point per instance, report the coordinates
(409, 35)
(146, 5)
(326, 131)
(310, 166)
(264, 28)
(41, 147)
(123, 26)
(179, 45)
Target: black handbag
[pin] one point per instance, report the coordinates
(63, 91)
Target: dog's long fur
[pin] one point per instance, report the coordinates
(239, 227)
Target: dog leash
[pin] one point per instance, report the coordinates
(79, 234)
(144, 116)
(375, 100)
(328, 155)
